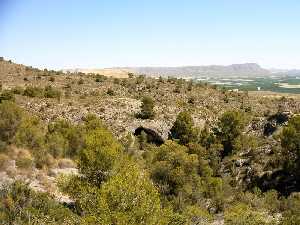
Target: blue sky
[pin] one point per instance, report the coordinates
(97, 33)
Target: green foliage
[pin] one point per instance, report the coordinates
(291, 210)
(91, 122)
(97, 159)
(183, 128)
(174, 172)
(7, 95)
(230, 126)
(50, 92)
(242, 214)
(113, 189)
(197, 215)
(20, 205)
(206, 138)
(245, 143)
(64, 139)
(147, 108)
(11, 118)
(32, 91)
(47, 92)
(290, 142)
(30, 133)
(100, 78)
(130, 198)
(57, 145)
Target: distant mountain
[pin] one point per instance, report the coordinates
(289, 72)
(247, 69)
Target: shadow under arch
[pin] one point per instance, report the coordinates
(152, 136)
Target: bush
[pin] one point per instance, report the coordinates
(98, 157)
(117, 81)
(50, 92)
(100, 78)
(57, 145)
(130, 198)
(80, 81)
(32, 92)
(146, 108)
(290, 142)
(43, 159)
(242, 214)
(182, 128)
(21, 205)
(64, 139)
(197, 215)
(11, 116)
(110, 92)
(30, 133)
(174, 172)
(230, 126)
(7, 96)
(24, 163)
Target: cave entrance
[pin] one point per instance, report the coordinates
(152, 136)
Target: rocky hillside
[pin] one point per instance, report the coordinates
(89, 93)
(203, 154)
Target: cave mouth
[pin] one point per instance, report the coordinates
(152, 136)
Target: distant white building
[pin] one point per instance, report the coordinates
(258, 88)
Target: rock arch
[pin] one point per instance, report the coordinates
(152, 135)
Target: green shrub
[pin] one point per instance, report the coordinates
(130, 198)
(290, 142)
(175, 173)
(183, 129)
(7, 95)
(11, 116)
(242, 214)
(98, 157)
(197, 215)
(57, 145)
(30, 133)
(230, 126)
(100, 78)
(50, 92)
(64, 139)
(21, 205)
(147, 106)
(31, 91)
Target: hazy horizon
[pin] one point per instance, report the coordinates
(105, 34)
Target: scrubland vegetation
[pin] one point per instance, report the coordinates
(226, 172)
